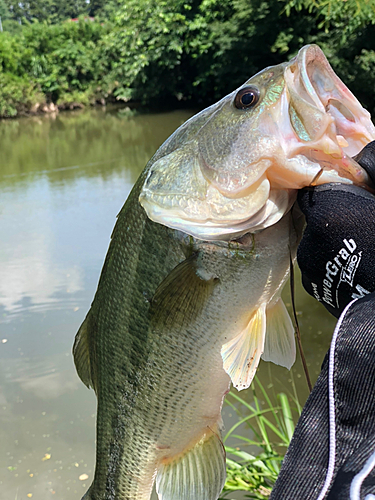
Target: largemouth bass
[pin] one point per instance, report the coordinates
(189, 296)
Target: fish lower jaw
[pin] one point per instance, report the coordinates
(299, 171)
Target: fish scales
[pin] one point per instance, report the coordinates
(189, 296)
(166, 385)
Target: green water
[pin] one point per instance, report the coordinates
(63, 179)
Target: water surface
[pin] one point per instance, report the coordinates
(63, 179)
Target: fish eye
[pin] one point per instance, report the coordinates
(246, 97)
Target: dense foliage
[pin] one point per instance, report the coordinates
(49, 10)
(159, 52)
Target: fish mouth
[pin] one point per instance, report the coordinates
(325, 114)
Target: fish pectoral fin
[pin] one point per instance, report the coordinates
(182, 295)
(241, 355)
(198, 474)
(81, 353)
(279, 346)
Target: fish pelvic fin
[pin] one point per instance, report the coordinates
(182, 295)
(198, 474)
(241, 355)
(81, 353)
(279, 345)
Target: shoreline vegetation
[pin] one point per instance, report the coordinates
(65, 54)
(272, 425)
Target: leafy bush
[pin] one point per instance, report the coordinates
(17, 95)
(59, 59)
(75, 99)
(11, 26)
(63, 57)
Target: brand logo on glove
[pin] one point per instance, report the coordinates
(348, 272)
(344, 264)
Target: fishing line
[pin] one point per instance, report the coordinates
(62, 169)
(312, 183)
(331, 407)
(296, 326)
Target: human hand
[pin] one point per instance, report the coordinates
(337, 252)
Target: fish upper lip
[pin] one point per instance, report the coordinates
(322, 84)
(306, 56)
(342, 118)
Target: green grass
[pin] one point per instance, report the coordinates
(272, 427)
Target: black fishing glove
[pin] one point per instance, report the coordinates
(337, 252)
(345, 436)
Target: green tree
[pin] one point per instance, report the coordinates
(98, 7)
(4, 11)
(47, 10)
(68, 9)
(15, 9)
(198, 50)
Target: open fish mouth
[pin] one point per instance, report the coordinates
(322, 110)
(332, 96)
(235, 167)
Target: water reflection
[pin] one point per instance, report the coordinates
(63, 179)
(82, 144)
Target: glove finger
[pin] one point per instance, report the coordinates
(366, 158)
(309, 199)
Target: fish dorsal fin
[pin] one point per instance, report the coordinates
(241, 355)
(279, 346)
(198, 474)
(81, 353)
(182, 295)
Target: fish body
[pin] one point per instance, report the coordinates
(189, 296)
(156, 363)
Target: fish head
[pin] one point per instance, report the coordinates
(236, 166)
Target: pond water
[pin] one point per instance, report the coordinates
(63, 179)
